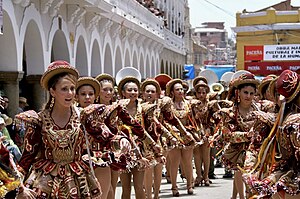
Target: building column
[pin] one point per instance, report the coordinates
(39, 95)
(10, 83)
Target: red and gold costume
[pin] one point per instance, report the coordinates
(52, 159)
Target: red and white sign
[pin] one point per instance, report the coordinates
(253, 53)
(267, 68)
(282, 52)
(288, 52)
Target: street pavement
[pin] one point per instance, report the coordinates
(219, 189)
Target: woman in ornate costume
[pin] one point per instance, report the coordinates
(128, 88)
(86, 92)
(282, 178)
(237, 122)
(266, 101)
(182, 111)
(202, 151)
(54, 142)
(151, 90)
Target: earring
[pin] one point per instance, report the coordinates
(52, 102)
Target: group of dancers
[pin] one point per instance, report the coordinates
(91, 133)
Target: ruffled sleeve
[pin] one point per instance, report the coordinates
(32, 139)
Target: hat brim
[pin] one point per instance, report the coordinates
(170, 84)
(238, 82)
(199, 78)
(263, 85)
(89, 81)
(124, 81)
(271, 89)
(51, 73)
(105, 76)
(201, 85)
(151, 82)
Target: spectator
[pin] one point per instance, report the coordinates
(7, 141)
(22, 104)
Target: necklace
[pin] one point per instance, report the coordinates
(181, 110)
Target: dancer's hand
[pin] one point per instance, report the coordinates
(161, 159)
(125, 145)
(143, 163)
(26, 193)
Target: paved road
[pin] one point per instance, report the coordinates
(219, 189)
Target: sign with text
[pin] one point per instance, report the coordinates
(267, 68)
(282, 52)
(287, 52)
(253, 53)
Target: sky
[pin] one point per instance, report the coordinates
(225, 10)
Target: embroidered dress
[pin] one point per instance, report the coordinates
(52, 159)
(236, 133)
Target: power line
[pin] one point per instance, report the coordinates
(225, 11)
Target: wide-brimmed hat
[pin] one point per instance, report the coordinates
(202, 84)
(124, 81)
(247, 78)
(198, 79)
(265, 83)
(163, 79)
(89, 81)
(6, 119)
(287, 84)
(151, 82)
(170, 85)
(23, 100)
(104, 76)
(271, 90)
(185, 85)
(55, 68)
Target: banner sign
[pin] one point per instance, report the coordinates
(282, 52)
(288, 52)
(267, 68)
(253, 53)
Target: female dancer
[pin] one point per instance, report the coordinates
(237, 123)
(52, 161)
(87, 90)
(116, 118)
(129, 89)
(202, 152)
(181, 109)
(282, 180)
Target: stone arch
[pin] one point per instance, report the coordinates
(33, 50)
(59, 49)
(108, 60)
(127, 58)
(135, 60)
(142, 66)
(95, 59)
(118, 60)
(9, 57)
(147, 66)
(58, 46)
(153, 66)
(167, 68)
(162, 66)
(81, 61)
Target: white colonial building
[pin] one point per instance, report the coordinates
(95, 36)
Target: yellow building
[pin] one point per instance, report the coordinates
(258, 31)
